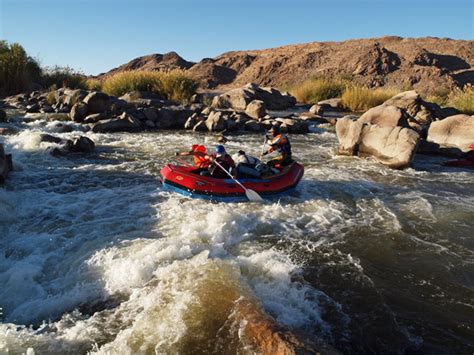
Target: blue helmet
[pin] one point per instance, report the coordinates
(220, 149)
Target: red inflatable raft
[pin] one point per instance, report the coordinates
(460, 163)
(187, 181)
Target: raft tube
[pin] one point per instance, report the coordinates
(187, 181)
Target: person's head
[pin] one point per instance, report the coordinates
(275, 131)
(220, 150)
(241, 152)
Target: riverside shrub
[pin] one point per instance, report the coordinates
(173, 85)
(316, 89)
(357, 98)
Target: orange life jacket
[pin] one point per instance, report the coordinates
(200, 160)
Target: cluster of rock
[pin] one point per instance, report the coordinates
(392, 132)
(242, 109)
(79, 144)
(5, 164)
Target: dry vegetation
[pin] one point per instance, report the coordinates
(173, 85)
(358, 99)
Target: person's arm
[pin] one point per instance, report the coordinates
(184, 154)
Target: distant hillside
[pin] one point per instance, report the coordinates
(425, 64)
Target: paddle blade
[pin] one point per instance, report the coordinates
(253, 196)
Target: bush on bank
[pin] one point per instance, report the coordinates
(357, 98)
(173, 85)
(316, 89)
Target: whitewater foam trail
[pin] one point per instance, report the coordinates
(99, 258)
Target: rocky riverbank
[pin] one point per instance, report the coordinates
(391, 133)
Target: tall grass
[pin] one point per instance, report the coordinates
(173, 85)
(316, 89)
(17, 69)
(462, 99)
(93, 84)
(357, 98)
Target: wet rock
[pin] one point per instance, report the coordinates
(33, 108)
(3, 115)
(172, 117)
(316, 109)
(393, 146)
(46, 109)
(124, 123)
(95, 117)
(150, 113)
(200, 127)
(334, 104)
(5, 164)
(268, 337)
(453, 132)
(78, 112)
(386, 116)
(253, 126)
(97, 102)
(150, 124)
(238, 99)
(62, 128)
(217, 121)
(348, 132)
(256, 109)
(81, 145)
(293, 126)
(44, 137)
(193, 120)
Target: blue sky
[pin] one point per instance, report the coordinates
(95, 36)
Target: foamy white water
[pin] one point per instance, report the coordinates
(97, 257)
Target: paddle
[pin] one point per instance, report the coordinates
(251, 195)
(263, 146)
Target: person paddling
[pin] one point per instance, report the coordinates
(225, 161)
(199, 154)
(246, 164)
(279, 142)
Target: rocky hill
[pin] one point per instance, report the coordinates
(425, 64)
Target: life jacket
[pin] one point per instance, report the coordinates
(200, 160)
(281, 143)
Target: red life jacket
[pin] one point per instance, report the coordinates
(200, 160)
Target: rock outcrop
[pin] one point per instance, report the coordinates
(239, 99)
(256, 109)
(393, 146)
(124, 123)
(386, 116)
(454, 132)
(426, 64)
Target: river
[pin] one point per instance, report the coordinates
(95, 257)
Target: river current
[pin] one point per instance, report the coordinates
(96, 257)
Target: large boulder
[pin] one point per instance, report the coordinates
(172, 117)
(386, 116)
(97, 102)
(421, 111)
(78, 112)
(217, 121)
(393, 146)
(293, 126)
(453, 132)
(256, 109)
(238, 99)
(81, 145)
(124, 123)
(348, 132)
